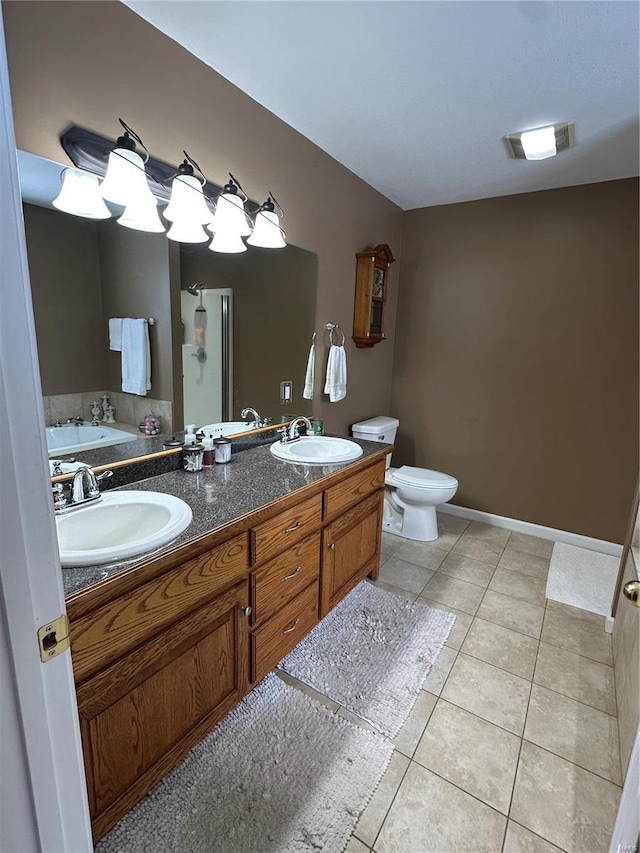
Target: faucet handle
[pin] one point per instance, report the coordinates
(284, 434)
(59, 499)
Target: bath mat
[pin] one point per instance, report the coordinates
(372, 654)
(582, 578)
(280, 774)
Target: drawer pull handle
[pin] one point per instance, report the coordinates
(332, 546)
(292, 575)
(290, 629)
(294, 527)
(247, 611)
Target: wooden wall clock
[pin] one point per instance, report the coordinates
(371, 295)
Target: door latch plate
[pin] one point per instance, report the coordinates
(53, 638)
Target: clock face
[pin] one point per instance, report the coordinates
(378, 283)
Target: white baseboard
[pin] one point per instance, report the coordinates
(599, 545)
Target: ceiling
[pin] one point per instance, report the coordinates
(415, 97)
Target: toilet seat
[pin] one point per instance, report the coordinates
(420, 478)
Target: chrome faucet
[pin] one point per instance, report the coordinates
(77, 421)
(256, 417)
(293, 433)
(84, 490)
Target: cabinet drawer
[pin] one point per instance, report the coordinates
(104, 635)
(278, 533)
(271, 642)
(350, 491)
(281, 579)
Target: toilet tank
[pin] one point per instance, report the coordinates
(377, 429)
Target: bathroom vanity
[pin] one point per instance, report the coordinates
(163, 648)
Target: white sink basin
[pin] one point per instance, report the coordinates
(121, 525)
(317, 450)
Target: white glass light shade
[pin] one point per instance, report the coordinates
(230, 217)
(227, 243)
(539, 144)
(187, 202)
(142, 217)
(187, 232)
(125, 182)
(80, 195)
(266, 231)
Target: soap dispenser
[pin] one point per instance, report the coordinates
(209, 452)
(190, 436)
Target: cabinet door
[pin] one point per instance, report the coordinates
(144, 712)
(350, 550)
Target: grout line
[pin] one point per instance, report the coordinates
(573, 652)
(574, 763)
(537, 835)
(393, 799)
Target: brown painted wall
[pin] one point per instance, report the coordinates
(90, 62)
(135, 283)
(517, 367)
(64, 266)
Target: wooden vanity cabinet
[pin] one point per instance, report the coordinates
(162, 652)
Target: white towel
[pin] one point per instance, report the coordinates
(136, 357)
(336, 382)
(309, 375)
(115, 334)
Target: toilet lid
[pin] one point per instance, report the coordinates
(423, 477)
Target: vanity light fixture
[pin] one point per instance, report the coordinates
(187, 209)
(228, 243)
(230, 216)
(126, 180)
(142, 216)
(541, 142)
(80, 195)
(267, 232)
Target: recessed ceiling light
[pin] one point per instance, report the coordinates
(541, 142)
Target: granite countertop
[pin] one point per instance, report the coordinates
(217, 496)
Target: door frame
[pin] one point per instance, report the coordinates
(44, 798)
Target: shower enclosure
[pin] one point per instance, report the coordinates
(207, 369)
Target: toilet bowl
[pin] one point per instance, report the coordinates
(411, 495)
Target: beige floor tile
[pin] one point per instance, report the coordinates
(574, 731)
(409, 735)
(356, 846)
(489, 692)
(480, 549)
(577, 677)
(430, 815)
(512, 613)
(448, 523)
(488, 532)
(527, 564)
(467, 569)
(578, 631)
(396, 590)
(502, 647)
(421, 553)
(475, 755)
(390, 543)
(314, 694)
(445, 541)
(405, 575)
(453, 592)
(563, 803)
(521, 840)
(460, 626)
(373, 816)
(531, 544)
(440, 670)
(517, 585)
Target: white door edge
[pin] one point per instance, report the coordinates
(48, 761)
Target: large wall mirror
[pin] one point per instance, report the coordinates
(226, 330)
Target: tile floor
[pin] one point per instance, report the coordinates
(513, 743)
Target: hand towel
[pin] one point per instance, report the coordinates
(136, 357)
(309, 375)
(115, 334)
(336, 382)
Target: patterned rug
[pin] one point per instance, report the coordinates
(372, 654)
(280, 774)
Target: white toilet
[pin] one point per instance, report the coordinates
(411, 495)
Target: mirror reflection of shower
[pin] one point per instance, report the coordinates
(207, 353)
(199, 325)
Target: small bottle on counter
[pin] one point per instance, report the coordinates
(209, 456)
(190, 436)
(222, 449)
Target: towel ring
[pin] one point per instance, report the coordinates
(330, 327)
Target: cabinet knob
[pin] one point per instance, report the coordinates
(246, 611)
(332, 546)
